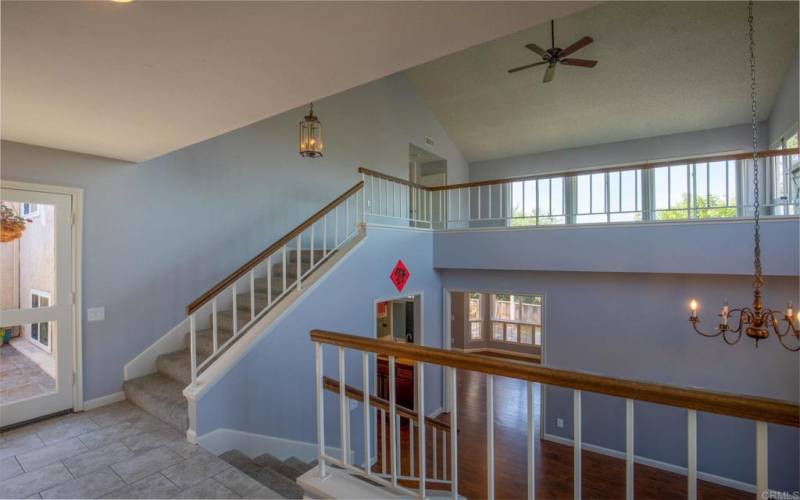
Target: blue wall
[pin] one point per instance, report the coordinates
(278, 374)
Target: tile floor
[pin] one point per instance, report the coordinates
(20, 377)
(116, 451)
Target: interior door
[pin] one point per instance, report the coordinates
(36, 308)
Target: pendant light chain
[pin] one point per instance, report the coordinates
(758, 281)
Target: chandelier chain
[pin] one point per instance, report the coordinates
(758, 280)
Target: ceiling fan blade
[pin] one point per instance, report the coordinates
(548, 75)
(537, 49)
(586, 63)
(583, 42)
(514, 70)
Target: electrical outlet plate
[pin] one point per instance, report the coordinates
(96, 314)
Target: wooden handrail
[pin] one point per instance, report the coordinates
(392, 178)
(749, 407)
(250, 264)
(643, 166)
(376, 402)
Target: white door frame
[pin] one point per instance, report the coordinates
(76, 218)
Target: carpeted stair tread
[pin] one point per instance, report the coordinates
(270, 478)
(275, 463)
(160, 396)
(298, 465)
(177, 366)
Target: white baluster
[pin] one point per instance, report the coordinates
(283, 263)
(576, 444)
(691, 467)
(235, 311)
(453, 434)
(762, 470)
(299, 260)
(393, 418)
(384, 458)
(344, 421)
(336, 227)
(629, 450)
(435, 473)
(252, 294)
(320, 410)
(193, 346)
(214, 341)
(367, 435)
(444, 455)
(324, 235)
(312, 246)
(490, 437)
(269, 280)
(531, 441)
(420, 374)
(410, 449)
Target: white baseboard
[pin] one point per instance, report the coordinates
(677, 469)
(436, 413)
(221, 440)
(103, 400)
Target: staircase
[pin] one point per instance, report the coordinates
(278, 475)
(161, 393)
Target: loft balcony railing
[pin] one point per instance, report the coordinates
(259, 285)
(760, 410)
(699, 188)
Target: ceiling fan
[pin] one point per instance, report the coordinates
(555, 55)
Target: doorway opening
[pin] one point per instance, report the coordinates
(398, 320)
(429, 170)
(39, 326)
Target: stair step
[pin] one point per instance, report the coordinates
(299, 465)
(205, 341)
(160, 396)
(276, 464)
(177, 366)
(270, 478)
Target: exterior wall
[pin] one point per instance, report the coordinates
(278, 373)
(634, 325)
(156, 235)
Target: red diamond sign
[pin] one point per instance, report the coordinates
(399, 275)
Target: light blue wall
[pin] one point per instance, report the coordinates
(278, 373)
(784, 114)
(160, 233)
(709, 247)
(634, 325)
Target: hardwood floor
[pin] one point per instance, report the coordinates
(603, 476)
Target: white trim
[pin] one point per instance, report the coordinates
(437, 411)
(658, 464)
(77, 274)
(145, 362)
(108, 399)
(251, 444)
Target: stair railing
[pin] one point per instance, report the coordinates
(297, 254)
(644, 192)
(438, 437)
(762, 411)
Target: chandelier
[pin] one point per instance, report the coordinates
(755, 321)
(310, 135)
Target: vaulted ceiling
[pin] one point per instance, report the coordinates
(136, 80)
(664, 67)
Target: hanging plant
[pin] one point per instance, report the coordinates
(11, 224)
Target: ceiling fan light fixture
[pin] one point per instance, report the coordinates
(555, 55)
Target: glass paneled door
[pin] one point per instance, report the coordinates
(36, 305)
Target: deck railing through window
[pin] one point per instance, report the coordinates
(761, 411)
(717, 187)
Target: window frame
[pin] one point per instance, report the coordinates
(494, 320)
(35, 329)
(34, 210)
(479, 320)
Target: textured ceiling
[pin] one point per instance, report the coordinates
(137, 80)
(665, 67)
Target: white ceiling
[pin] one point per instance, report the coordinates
(137, 80)
(664, 67)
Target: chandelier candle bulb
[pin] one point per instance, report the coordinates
(724, 313)
(789, 312)
(693, 307)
